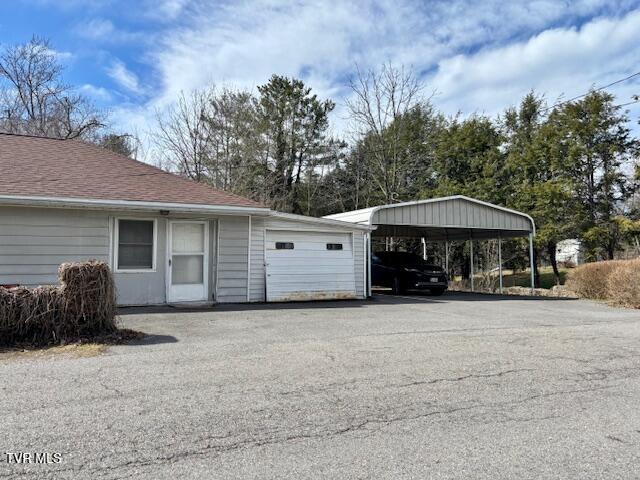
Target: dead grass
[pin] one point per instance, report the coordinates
(82, 348)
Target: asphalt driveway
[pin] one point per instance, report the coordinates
(459, 386)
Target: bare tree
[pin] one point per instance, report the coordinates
(381, 99)
(35, 100)
(182, 135)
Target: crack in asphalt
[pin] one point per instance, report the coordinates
(363, 424)
(463, 377)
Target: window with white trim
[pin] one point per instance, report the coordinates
(135, 244)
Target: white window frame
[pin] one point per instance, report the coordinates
(116, 242)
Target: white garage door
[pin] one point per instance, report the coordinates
(309, 266)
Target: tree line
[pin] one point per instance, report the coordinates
(573, 166)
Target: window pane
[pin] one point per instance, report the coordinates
(135, 257)
(186, 269)
(187, 237)
(135, 244)
(284, 245)
(136, 231)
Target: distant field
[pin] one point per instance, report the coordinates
(523, 279)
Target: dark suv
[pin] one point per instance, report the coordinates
(404, 271)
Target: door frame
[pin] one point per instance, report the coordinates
(205, 259)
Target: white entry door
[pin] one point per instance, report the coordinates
(188, 254)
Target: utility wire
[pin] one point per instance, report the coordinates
(629, 77)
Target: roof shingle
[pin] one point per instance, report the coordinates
(47, 167)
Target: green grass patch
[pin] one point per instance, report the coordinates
(523, 279)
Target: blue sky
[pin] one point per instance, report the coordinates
(134, 57)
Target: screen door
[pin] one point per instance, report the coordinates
(188, 261)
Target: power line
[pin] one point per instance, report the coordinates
(626, 104)
(629, 77)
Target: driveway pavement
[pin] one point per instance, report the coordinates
(460, 386)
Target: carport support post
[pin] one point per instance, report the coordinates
(369, 257)
(446, 257)
(531, 259)
(471, 262)
(500, 261)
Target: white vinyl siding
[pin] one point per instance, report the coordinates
(233, 268)
(256, 284)
(359, 262)
(35, 241)
(309, 271)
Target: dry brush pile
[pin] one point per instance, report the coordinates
(614, 281)
(83, 306)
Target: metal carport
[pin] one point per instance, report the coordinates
(442, 220)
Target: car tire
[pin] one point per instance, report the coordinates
(396, 286)
(437, 291)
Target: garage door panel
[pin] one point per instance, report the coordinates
(317, 247)
(300, 270)
(309, 271)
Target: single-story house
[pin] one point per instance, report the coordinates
(167, 239)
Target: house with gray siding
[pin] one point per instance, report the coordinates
(167, 239)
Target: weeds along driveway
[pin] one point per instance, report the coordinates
(459, 386)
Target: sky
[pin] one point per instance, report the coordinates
(134, 57)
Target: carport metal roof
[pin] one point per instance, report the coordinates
(441, 219)
(445, 219)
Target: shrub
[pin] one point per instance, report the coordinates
(623, 286)
(84, 305)
(590, 280)
(616, 281)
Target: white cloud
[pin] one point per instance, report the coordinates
(96, 28)
(245, 42)
(556, 62)
(104, 30)
(97, 93)
(169, 9)
(481, 56)
(124, 77)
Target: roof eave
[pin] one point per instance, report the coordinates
(323, 221)
(129, 205)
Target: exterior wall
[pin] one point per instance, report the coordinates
(213, 258)
(35, 241)
(257, 286)
(459, 213)
(275, 223)
(233, 259)
(359, 265)
(144, 288)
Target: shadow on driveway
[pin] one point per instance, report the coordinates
(243, 307)
(460, 297)
(378, 298)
